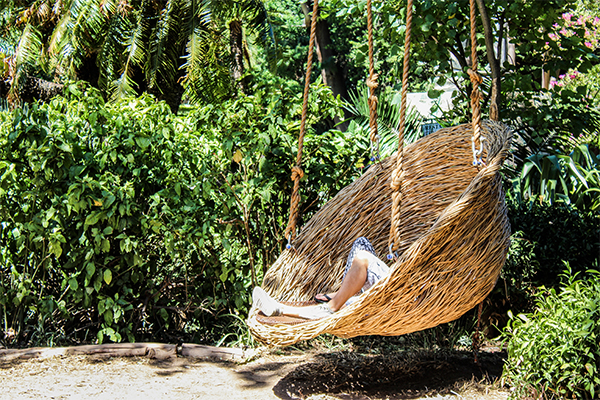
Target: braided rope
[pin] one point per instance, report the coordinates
(475, 93)
(476, 140)
(397, 175)
(297, 173)
(372, 84)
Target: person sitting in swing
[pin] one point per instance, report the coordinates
(363, 270)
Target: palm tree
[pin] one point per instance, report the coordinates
(125, 47)
(237, 14)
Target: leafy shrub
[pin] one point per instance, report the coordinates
(124, 221)
(556, 349)
(544, 236)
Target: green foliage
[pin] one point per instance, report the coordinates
(550, 122)
(388, 119)
(571, 179)
(544, 236)
(556, 350)
(129, 48)
(125, 222)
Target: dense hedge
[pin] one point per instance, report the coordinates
(545, 235)
(124, 221)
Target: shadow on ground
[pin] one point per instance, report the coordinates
(348, 375)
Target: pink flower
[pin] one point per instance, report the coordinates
(567, 16)
(589, 44)
(596, 21)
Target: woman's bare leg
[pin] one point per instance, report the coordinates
(353, 281)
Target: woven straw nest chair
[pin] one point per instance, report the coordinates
(455, 236)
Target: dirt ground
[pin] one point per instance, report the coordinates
(268, 375)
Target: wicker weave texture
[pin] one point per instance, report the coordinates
(454, 239)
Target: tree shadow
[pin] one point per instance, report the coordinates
(405, 375)
(261, 376)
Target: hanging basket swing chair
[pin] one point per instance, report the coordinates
(451, 235)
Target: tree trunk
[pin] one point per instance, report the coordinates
(32, 89)
(493, 61)
(326, 55)
(237, 53)
(327, 58)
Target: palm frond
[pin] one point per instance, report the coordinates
(108, 7)
(259, 24)
(30, 47)
(10, 31)
(58, 34)
(388, 119)
(207, 78)
(111, 51)
(135, 49)
(124, 86)
(195, 52)
(200, 16)
(79, 30)
(134, 56)
(163, 55)
(27, 56)
(88, 22)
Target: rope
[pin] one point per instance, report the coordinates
(297, 173)
(372, 84)
(476, 140)
(397, 175)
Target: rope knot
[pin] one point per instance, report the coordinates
(372, 81)
(396, 179)
(474, 76)
(373, 100)
(297, 173)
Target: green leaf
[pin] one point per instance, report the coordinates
(143, 142)
(92, 219)
(90, 268)
(226, 244)
(56, 248)
(107, 276)
(73, 284)
(590, 368)
(98, 284)
(108, 316)
(224, 276)
(163, 313)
